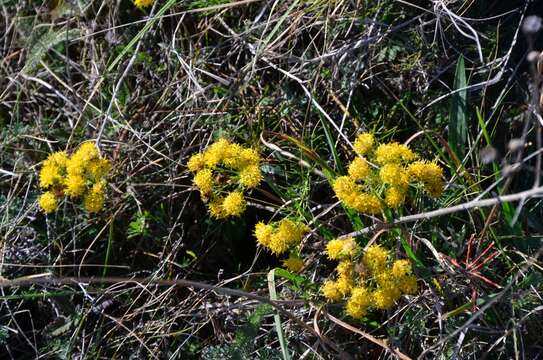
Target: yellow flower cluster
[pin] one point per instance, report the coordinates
(369, 190)
(81, 175)
(375, 284)
(222, 172)
(143, 3)
(280, 236)
(293, 263)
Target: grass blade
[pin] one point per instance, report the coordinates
(458, 131)
(277, 318)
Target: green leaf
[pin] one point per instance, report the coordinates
(458, 131)
(39, 48)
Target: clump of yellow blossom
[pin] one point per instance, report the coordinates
(358, 169)
(364, 143)
(233, 204)
(280, 237)
(143, 3)
(80, 175)
(393, 153)
(380, 176)
(377, 283)
(330, 291)
(222, 173)
(48, 202)
(53, 170)
(430, 174)
(359, 302)
(338, 249)
(293, 263)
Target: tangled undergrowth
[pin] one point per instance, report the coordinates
(212, 179)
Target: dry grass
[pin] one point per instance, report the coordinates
(298, 79)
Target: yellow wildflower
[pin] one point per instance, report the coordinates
(287, 235)
(196, 162)
(384, 298)
(234, 204)
(394, 197)
(263, 233)
(401, 268)
(48, 202)
(87, 152)
(359, 302)
(375, 258)
(76, 165)
(53, 168)
(333, 249)
(394, 174)
(249, 157)
(363, 143)
(94, 199)
(358, 169)
(204, 181)
(215, 208)
(345, 268)
(393, 153)
(408, 284)
(337, 249)
(330, 291)
(384, 278)
(293, 263)
(98, 168)
(143, 3)
(345, 284)
(345, 189)
(75, 185)
(366, 203)
(430, 174)
(250, 176)
(232, 156)
(278, 244)
(215, 153)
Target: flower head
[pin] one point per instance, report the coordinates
(196, 162)
(366, 203)
(280, 236)
(401, 268)
(263, 233)
(94, 199)
(293, 263)
(358, 169)
(48, 202)
(234, 204)
(75, 185)
(53, 169)
(86, 152)
(384, 298)
(204, 181)
(98, 168)
(143, 3)
(215, 208)
(393, 153)
(337, 249)
(394, 197)
(363, 143)
(359, 302)
(430, 174)
(330, 291)
(250, 176)
(394, 174)
(408, 284)
(375, 258)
